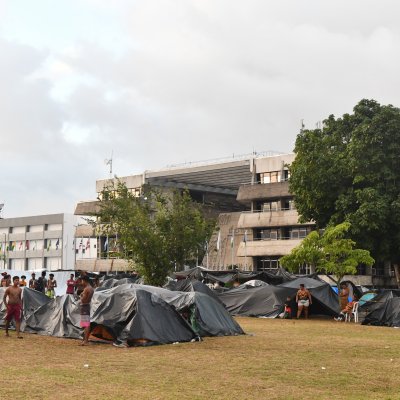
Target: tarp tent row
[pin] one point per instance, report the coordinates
(268, 301)
(383, 309)
(131, 313)
(201, 273)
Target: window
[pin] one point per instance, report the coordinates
(299, 233)
(288, 204)
(270, 177)
(269, 234)
(270, 206)
(267, 263)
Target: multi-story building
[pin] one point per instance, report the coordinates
(38, 242)
(257, 219)
(257, 238)
(214, 184)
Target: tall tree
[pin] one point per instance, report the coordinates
(350, 171)
(330, 253)
(157, 232)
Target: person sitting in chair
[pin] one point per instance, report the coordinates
(347, 310)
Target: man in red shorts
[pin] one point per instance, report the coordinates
(14, 305)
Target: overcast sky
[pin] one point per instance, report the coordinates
(169, 81)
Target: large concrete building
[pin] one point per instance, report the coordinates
(257, 219)
(38, 242)
(214, 184)
(256, 238)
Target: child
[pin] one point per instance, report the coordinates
(287, 312)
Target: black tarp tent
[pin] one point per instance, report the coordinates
(324, 300)
(268, 301)
(32, 300)
(191, 285)
(262, 301)
(229, 276)
(383, 309)
(136, 314)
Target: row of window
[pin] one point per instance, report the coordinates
(274, 176)
(282, 204)
(282, 233)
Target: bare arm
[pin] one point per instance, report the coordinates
(309, 296)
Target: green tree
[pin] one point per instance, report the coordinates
(350, 171)
(330, 253)
(157, 232)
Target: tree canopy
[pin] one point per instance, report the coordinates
(350, 171)
(157, 232)
(330, 252)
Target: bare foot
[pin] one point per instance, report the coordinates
(20, 337)
(7, 335)
(84, 344)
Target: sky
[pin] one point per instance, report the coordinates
(164, 82)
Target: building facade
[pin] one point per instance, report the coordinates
(38, 242)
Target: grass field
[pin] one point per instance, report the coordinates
(278, 359)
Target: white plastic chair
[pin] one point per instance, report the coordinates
(353, 313)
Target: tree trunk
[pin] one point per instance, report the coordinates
(397, 274)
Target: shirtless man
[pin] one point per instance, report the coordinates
(14, 305)
(51, 285)
(86, 298)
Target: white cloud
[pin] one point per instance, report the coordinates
(166, 82)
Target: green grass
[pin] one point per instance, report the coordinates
(279, 359)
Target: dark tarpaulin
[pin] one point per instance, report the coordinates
(265, 301)
(141, 315)
(191, 285)
(32, 300)
(325, 300)
(137, 314)
(279, 276)
(211, 316)
(59, 317)
(383, 309)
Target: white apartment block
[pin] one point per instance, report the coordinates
(38, 242)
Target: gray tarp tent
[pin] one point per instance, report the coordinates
(137, 314)
(32, 300)
(266, 301)
(269, 301)
(383, 309)
(325, 300)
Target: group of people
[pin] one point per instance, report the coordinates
(42, 284)
(12, 298)
(304, 300)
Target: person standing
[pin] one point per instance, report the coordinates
(12, 299)
(86, 298)
(4, 280)
(343, 295)
(71, 285)
(32, 281)
(22, 282)
(44, 279)
(303, 300)
(51, 285)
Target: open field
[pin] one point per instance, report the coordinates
(279, 359)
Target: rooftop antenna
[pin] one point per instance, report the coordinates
(302, 126)
(109, 162)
